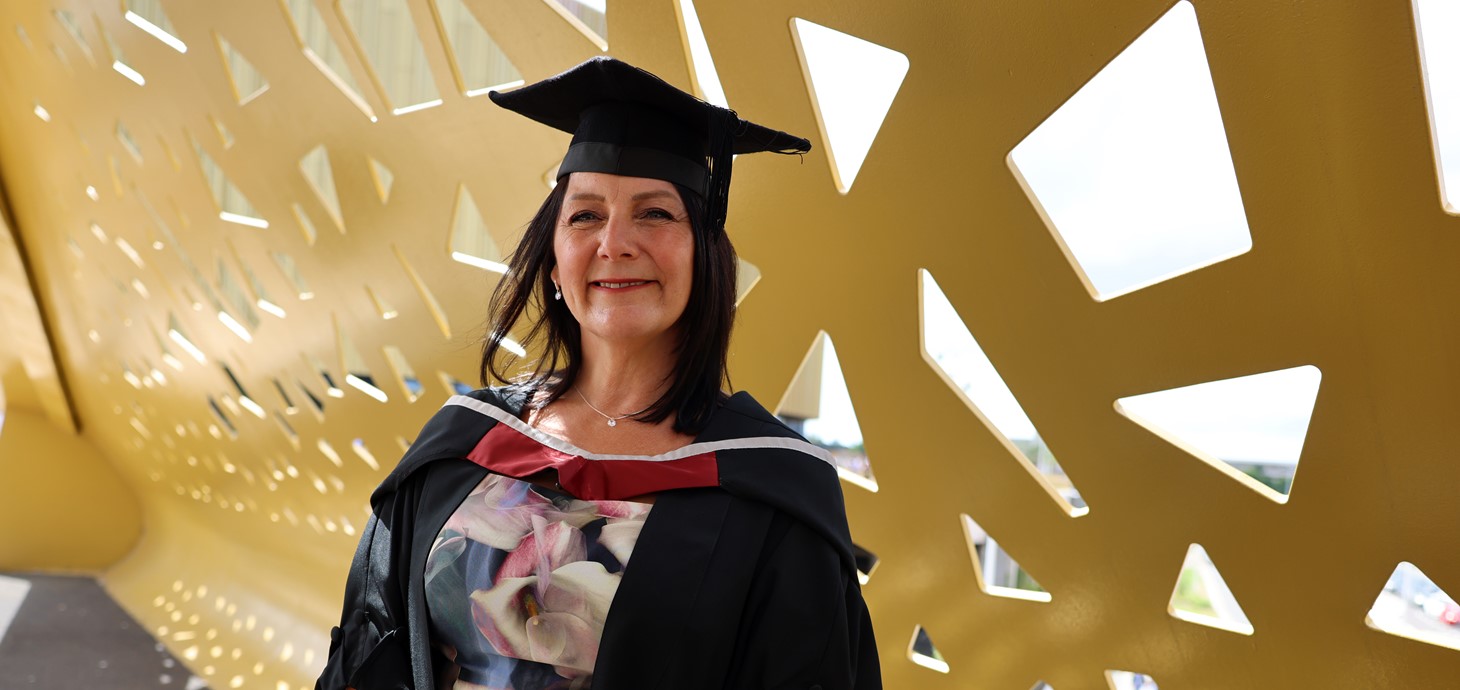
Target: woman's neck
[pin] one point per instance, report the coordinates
(619, 378)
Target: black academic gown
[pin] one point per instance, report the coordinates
(746, 584)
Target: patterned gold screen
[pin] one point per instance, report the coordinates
(249, 245)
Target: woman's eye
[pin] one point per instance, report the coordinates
(582, 217)
(658, 214)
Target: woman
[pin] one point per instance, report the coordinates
(498, 553)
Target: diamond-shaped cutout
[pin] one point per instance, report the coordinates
(703, 76)
(1130, 680)
(818, 405)
(1438, 23)
(319, 47)
(245, 80)
(317, 170)
(866, 562)
(477, 62)
(953, 352)
(995, 570)
(1041, 685)
(1202, 596)
(1412, 606)
(233, 206)
(148, 16)
(852, 83)
(1250, 428)
(471, 244)
(922, 651)
(1132, 173)
(589, 17)
(385, 33)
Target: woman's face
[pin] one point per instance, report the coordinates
(625, 256)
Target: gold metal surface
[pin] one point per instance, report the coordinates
(252, 495)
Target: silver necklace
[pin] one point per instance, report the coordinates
(612, 421)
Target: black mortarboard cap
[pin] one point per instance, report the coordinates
(626, 121)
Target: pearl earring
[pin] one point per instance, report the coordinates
(557, 292)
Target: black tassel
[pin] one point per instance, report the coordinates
(723, 125)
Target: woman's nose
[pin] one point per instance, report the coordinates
(617, 240)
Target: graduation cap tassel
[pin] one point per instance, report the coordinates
(723, 125)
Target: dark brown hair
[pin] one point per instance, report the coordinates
(700, 370)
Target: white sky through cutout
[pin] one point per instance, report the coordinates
(1438, 25)
(1201, 595)
(953, 352)
(1250, 424)
(818, 404)
(707, 80)
(852, 83)
(1133, 171)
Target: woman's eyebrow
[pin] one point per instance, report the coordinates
(586, 196)
(650, 195)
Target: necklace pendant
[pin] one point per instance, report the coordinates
(613, 422)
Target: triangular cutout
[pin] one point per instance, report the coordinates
(243, 77)
(997, 572)
(1133, 173)
(316, 168)
(471, 244)
(382, 307)
(866, 563)
(1250, 428)
(1041, 685)
(68, 21)
(818, 405)
(432, 305)
(149, 17)
(1201, 595)
(233, 206)
(951, 350)
(703, 76)
(357, 373)
(1130, 680)
(453, 385)
(1438, 22)
(589, 17)
(319, 47)
(477, 62)
(383, 179)
(747, 275)
(119, 61)
(225, 137)
(410, 384)
(852, 83)
(385, 33)
(922, 651)
(1412, 606)
(124, 136)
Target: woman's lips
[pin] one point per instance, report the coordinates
(619, 284)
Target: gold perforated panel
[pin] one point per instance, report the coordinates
(240, 246)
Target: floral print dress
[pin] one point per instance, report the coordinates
(519, 583)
